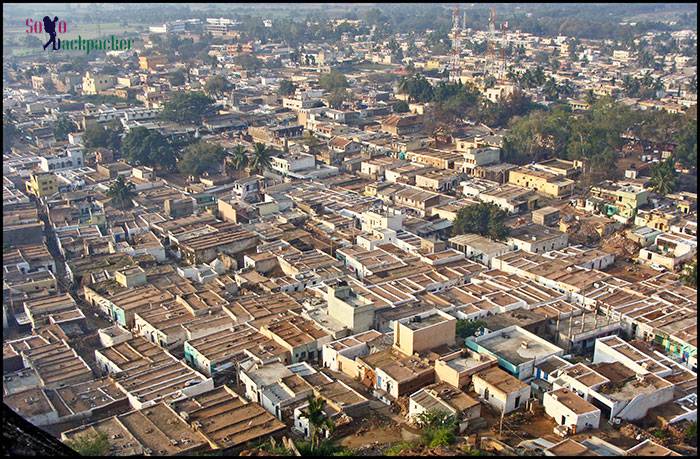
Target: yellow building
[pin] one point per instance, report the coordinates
(95, 83)
(151, 62)
(542, 182)
(42, 184)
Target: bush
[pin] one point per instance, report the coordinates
(397, 448)
(90, 444)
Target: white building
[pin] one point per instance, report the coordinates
(571, 411)
(501, 390)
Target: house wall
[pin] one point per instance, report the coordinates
(560, 412)
(499, 399)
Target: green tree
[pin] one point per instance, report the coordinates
(261, 159)
(333, 81)
(239, 158)
(401, 107)
(664, 178)
(122, 193)
(467, 328)
(103, 136)
(149, 148)
(691, 433)
(689, 275)
(9, 134)
(216, 86)
(336, 98)
(438, 428)
(177, 78)
(286, 88)
(687, 140)
(485, 219)
(90, 444)
(188, 107)
(201, 157)
(318, 420)
(63, 127)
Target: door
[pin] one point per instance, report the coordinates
(486, 394)
(517, 401)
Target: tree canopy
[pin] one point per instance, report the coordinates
(286, 88)
(63, 127)
(216, 85)
(149, 148)
(201, 157)
(485, 219)
(333, 81)
(103, 136)
(188, 107)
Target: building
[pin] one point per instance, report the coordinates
(478, 248)
(535, 238)
(224, 350)
(541, 181)
(350, 308)
(669, 250)
(457, 369)
(301, 337)
(152, 62)
(501, 390)
(516, 349)
(424, 332)
(402, 125)
(95, 83)
(42, 184)
(571, 411)
(445, 398)
(226, 420)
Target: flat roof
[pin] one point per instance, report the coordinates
(517, 345)
(572, 401)
(501, 380)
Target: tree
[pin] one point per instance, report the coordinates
(401, 107)
(438, 427)
(689, 276)
(336, 98)
(286, 88)
(333, 81)
(260, 161)
(216, 85)
(149, 148)
(188, 107)
(200, 158)
(664, 178)
(9, 134)
(485, 219)
(103, 136)
(177, 78)
(122, 193)
(90, 444)
(467, 328)
(63, 127)
(239, 158)
(318, 419)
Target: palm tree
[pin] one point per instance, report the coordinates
(318, 419)
(689, 276)
(239, 158)
(664, 177)
(260, 162)
(121, 193)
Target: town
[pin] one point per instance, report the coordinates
(362, 229)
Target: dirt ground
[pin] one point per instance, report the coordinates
(629, 271)
(380, 436)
